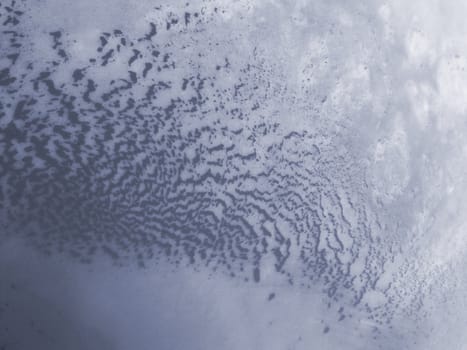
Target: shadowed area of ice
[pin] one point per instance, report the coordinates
(238, 175)
(53, 304)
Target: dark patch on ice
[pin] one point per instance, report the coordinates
(168, 159)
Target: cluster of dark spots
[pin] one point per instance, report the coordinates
(5, 77)
(10, 15)
(58, 45)
(175, 157)
(78, 74)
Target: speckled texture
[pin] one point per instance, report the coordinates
(301, 145)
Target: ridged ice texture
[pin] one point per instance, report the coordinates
(211, 138)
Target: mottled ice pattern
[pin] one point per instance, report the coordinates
(257, 174)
